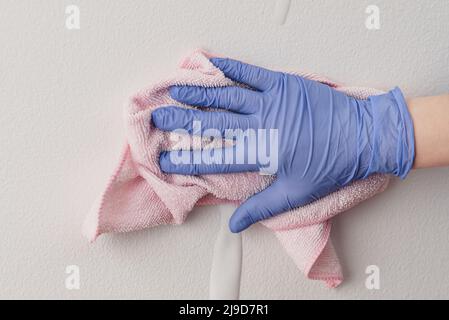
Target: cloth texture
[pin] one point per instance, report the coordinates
(140, 196)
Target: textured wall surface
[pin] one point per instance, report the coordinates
(61, 131)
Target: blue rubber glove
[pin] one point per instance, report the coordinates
(326, 139)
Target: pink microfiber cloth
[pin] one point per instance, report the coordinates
(139, 195)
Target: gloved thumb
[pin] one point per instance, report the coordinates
(276, 199)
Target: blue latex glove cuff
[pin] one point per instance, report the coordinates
(389, 111)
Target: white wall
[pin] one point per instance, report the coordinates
(61, 102)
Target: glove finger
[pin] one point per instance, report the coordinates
(256, 77)
(276, 199)
(229, 98)
(197, 122)
(199, 162)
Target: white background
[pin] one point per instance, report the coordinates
(61, 99)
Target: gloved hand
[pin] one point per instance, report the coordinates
(326, 139)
